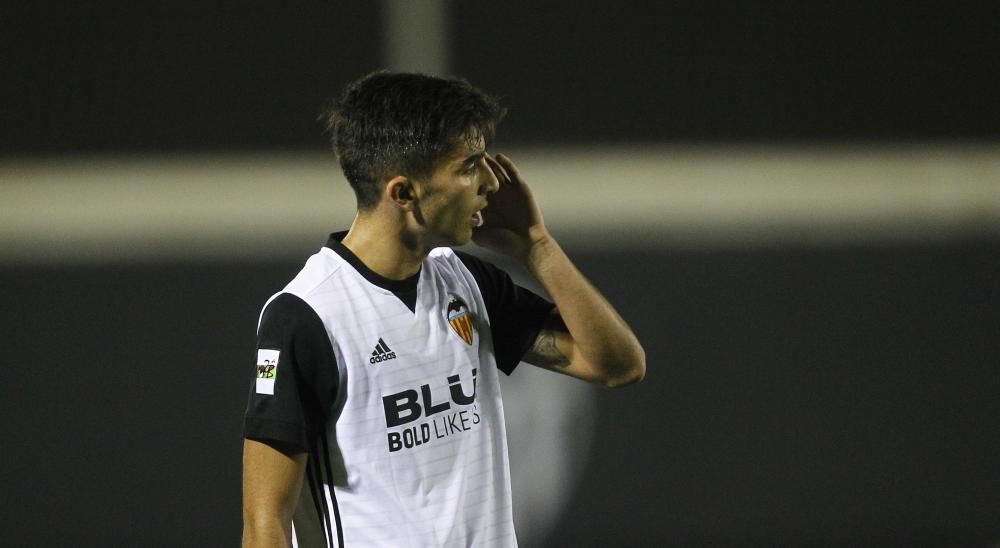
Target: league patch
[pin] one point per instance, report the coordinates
(267, 370)
(460, 319)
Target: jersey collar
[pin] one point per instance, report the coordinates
(396, 286)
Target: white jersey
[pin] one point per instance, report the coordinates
(397, 399)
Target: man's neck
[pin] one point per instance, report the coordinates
(385, 247)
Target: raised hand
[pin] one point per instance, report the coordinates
(512, 222)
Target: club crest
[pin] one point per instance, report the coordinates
(459, 318)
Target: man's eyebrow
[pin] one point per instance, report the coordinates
(473, 158)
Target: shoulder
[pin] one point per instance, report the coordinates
(461, 262)
(287, 311)
(319, 268)
(480, 268)
(489, 276)
(299, 295)
(472, 269)
(444, 255)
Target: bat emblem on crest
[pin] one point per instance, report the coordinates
(460, 319)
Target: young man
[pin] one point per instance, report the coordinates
(375, 418)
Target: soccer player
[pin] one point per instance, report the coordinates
(375, 418)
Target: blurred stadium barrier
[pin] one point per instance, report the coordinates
(279, 205)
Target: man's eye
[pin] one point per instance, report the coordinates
(471, 168)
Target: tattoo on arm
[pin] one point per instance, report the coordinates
(544, 352)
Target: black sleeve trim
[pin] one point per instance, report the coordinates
(516, 314)
(262, 429)
(306, 377)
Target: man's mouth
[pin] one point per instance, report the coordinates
(477, 219)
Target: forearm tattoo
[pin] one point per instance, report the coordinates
(544, 352)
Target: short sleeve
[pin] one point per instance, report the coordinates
(296, 375)
(516, 314)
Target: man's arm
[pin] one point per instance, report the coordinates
(272, 480)
(585, 337)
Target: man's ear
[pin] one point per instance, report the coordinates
(400, 191)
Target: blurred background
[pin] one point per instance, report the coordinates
(796, 205)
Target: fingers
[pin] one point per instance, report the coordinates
(502, 165)
(509, 168)
(498, 170)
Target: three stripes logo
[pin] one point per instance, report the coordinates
(382, 353)
(459, 318)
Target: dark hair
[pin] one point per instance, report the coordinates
(400, 123)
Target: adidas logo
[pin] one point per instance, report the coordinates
(382, 353)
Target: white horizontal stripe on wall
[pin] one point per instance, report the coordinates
(274, 204)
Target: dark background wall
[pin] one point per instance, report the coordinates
(125, 76)
(797, 395)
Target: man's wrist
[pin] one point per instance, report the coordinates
(541, 246)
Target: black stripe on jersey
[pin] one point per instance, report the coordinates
(333, 492)
(319, 501)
